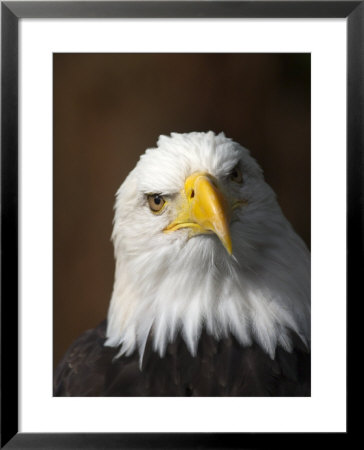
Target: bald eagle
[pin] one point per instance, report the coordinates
(212, 285)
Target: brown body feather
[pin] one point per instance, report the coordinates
(221, 368)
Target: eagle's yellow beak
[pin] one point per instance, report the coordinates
(204, 209)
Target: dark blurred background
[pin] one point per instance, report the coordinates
(108, 108)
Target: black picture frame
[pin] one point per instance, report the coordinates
(11, 12)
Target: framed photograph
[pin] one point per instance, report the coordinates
(231, 90)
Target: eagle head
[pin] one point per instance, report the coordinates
(201, 242)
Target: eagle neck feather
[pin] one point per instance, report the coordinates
(188, 286)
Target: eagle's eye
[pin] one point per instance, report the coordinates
(156, 202)
(236, 175)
